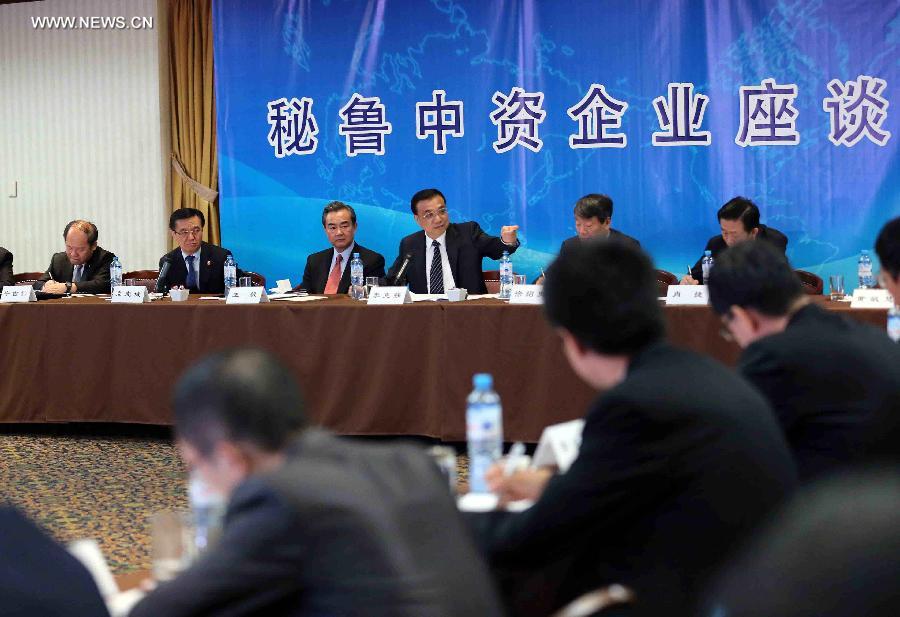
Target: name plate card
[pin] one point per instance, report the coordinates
(136, 294)
(389, 295)
(690, 295)
(18, 293)
(559, 445)
(246, 295)
(872, 298)
(526, 294)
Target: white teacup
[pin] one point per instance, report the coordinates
(179, 295)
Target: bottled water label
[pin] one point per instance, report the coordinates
(893, 325)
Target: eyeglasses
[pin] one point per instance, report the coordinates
(342, 227)
(433, 213)
(184, 233)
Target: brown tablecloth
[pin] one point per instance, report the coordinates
(365, 370)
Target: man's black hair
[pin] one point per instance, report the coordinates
(241, 395)
(740, 209)
(594, 205)
(888, 247)
(753, 275)
(337, 206)
(422, 196)
(604, 293)
(185, 213)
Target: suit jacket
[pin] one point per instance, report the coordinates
(6, 267)
(466, 245)
(211, 276)
(668, 479)
(614, 234)
(315, 275)
(94, 277)
(716, 245)
(343, 529)
(833, 383)
(39, 577)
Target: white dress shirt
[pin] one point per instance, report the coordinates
(449, 283)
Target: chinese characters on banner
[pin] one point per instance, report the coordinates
(857, 110)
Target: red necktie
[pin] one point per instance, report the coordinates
(334, 278)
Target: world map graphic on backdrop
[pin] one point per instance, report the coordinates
(516, 109)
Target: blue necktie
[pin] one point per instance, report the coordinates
(192, 273)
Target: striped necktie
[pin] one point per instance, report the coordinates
(437, 270)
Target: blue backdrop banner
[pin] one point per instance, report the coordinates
(515, 109)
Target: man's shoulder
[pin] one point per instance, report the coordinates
(318, 255)
(214, 251)
(715, 244)
(416, 236)
(615, 233)
(4, 254)
(103, 256)
(367, 254)
(773, 236)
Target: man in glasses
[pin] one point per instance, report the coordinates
(888, 248)
(327, 271)
(831, 380)
(445, 255)
(195, 264)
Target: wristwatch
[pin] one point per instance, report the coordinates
(68, 288)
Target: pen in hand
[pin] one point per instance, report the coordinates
(513, 458)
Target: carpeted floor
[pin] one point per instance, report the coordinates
(97, 481)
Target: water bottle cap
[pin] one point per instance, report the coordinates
(707, 253)
(355, 255)
(865, 251)
(506, 253)
(483, 381)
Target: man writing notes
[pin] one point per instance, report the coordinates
(327, 271)
(197, 265)
(445, 255)
(739, 222)
(668, 477)
(83, 267)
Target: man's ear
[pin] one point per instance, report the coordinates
(747, 318)
(572, 344)
(754, 232)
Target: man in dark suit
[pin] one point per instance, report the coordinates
(315, 525)
(445, 255)
(39, 577)
(83, 267)
(739, 222)
(593, 219)
(831, 380)
(6, 267)
(888, 248)
(669, 477)
(195, 265)
(327, 271)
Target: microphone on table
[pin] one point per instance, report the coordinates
(162, 285)
(402, 271)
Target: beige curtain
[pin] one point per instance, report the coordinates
(195, 171)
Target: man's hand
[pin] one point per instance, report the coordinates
(54, 287)
(508, 234)
(687, 279)
(524, 484)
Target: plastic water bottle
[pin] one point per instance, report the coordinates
(230, 272)
(357, 282)
(484, 431)
(115, 273)
(207, 510)
(864, 271)
(706, 265)
(893, 323)
(506, 276)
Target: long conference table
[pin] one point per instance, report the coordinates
(364, 370)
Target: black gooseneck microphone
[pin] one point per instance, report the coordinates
(402, 271)
(162, 285)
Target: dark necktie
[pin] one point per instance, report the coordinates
(192, 273)
(437, 270)
(77, 273)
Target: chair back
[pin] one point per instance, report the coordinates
(147, 278)
(663, 280)
(27, 278)
(812, 283)
(257, 280)
(492, 280)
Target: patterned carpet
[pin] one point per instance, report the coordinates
(97, 481)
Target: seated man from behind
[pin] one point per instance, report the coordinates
(669, 477)
(6, 268)
(445, 255)
(739, 221)
(315, 525)
(83, 267)
(829, 378)
(327, 271)
(888, 248)
(195, 265)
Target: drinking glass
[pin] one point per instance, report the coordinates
(371, 281)
(130, 282)
(245, 281)
(836, 282)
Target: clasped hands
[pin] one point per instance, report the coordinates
(522, 484)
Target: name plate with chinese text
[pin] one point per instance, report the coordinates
(246, 295)
(18, 293)
(389, 295)
(136, 294)
(526, 294)
(696, 295)
(872, 298)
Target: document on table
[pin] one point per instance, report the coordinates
(295, 298)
